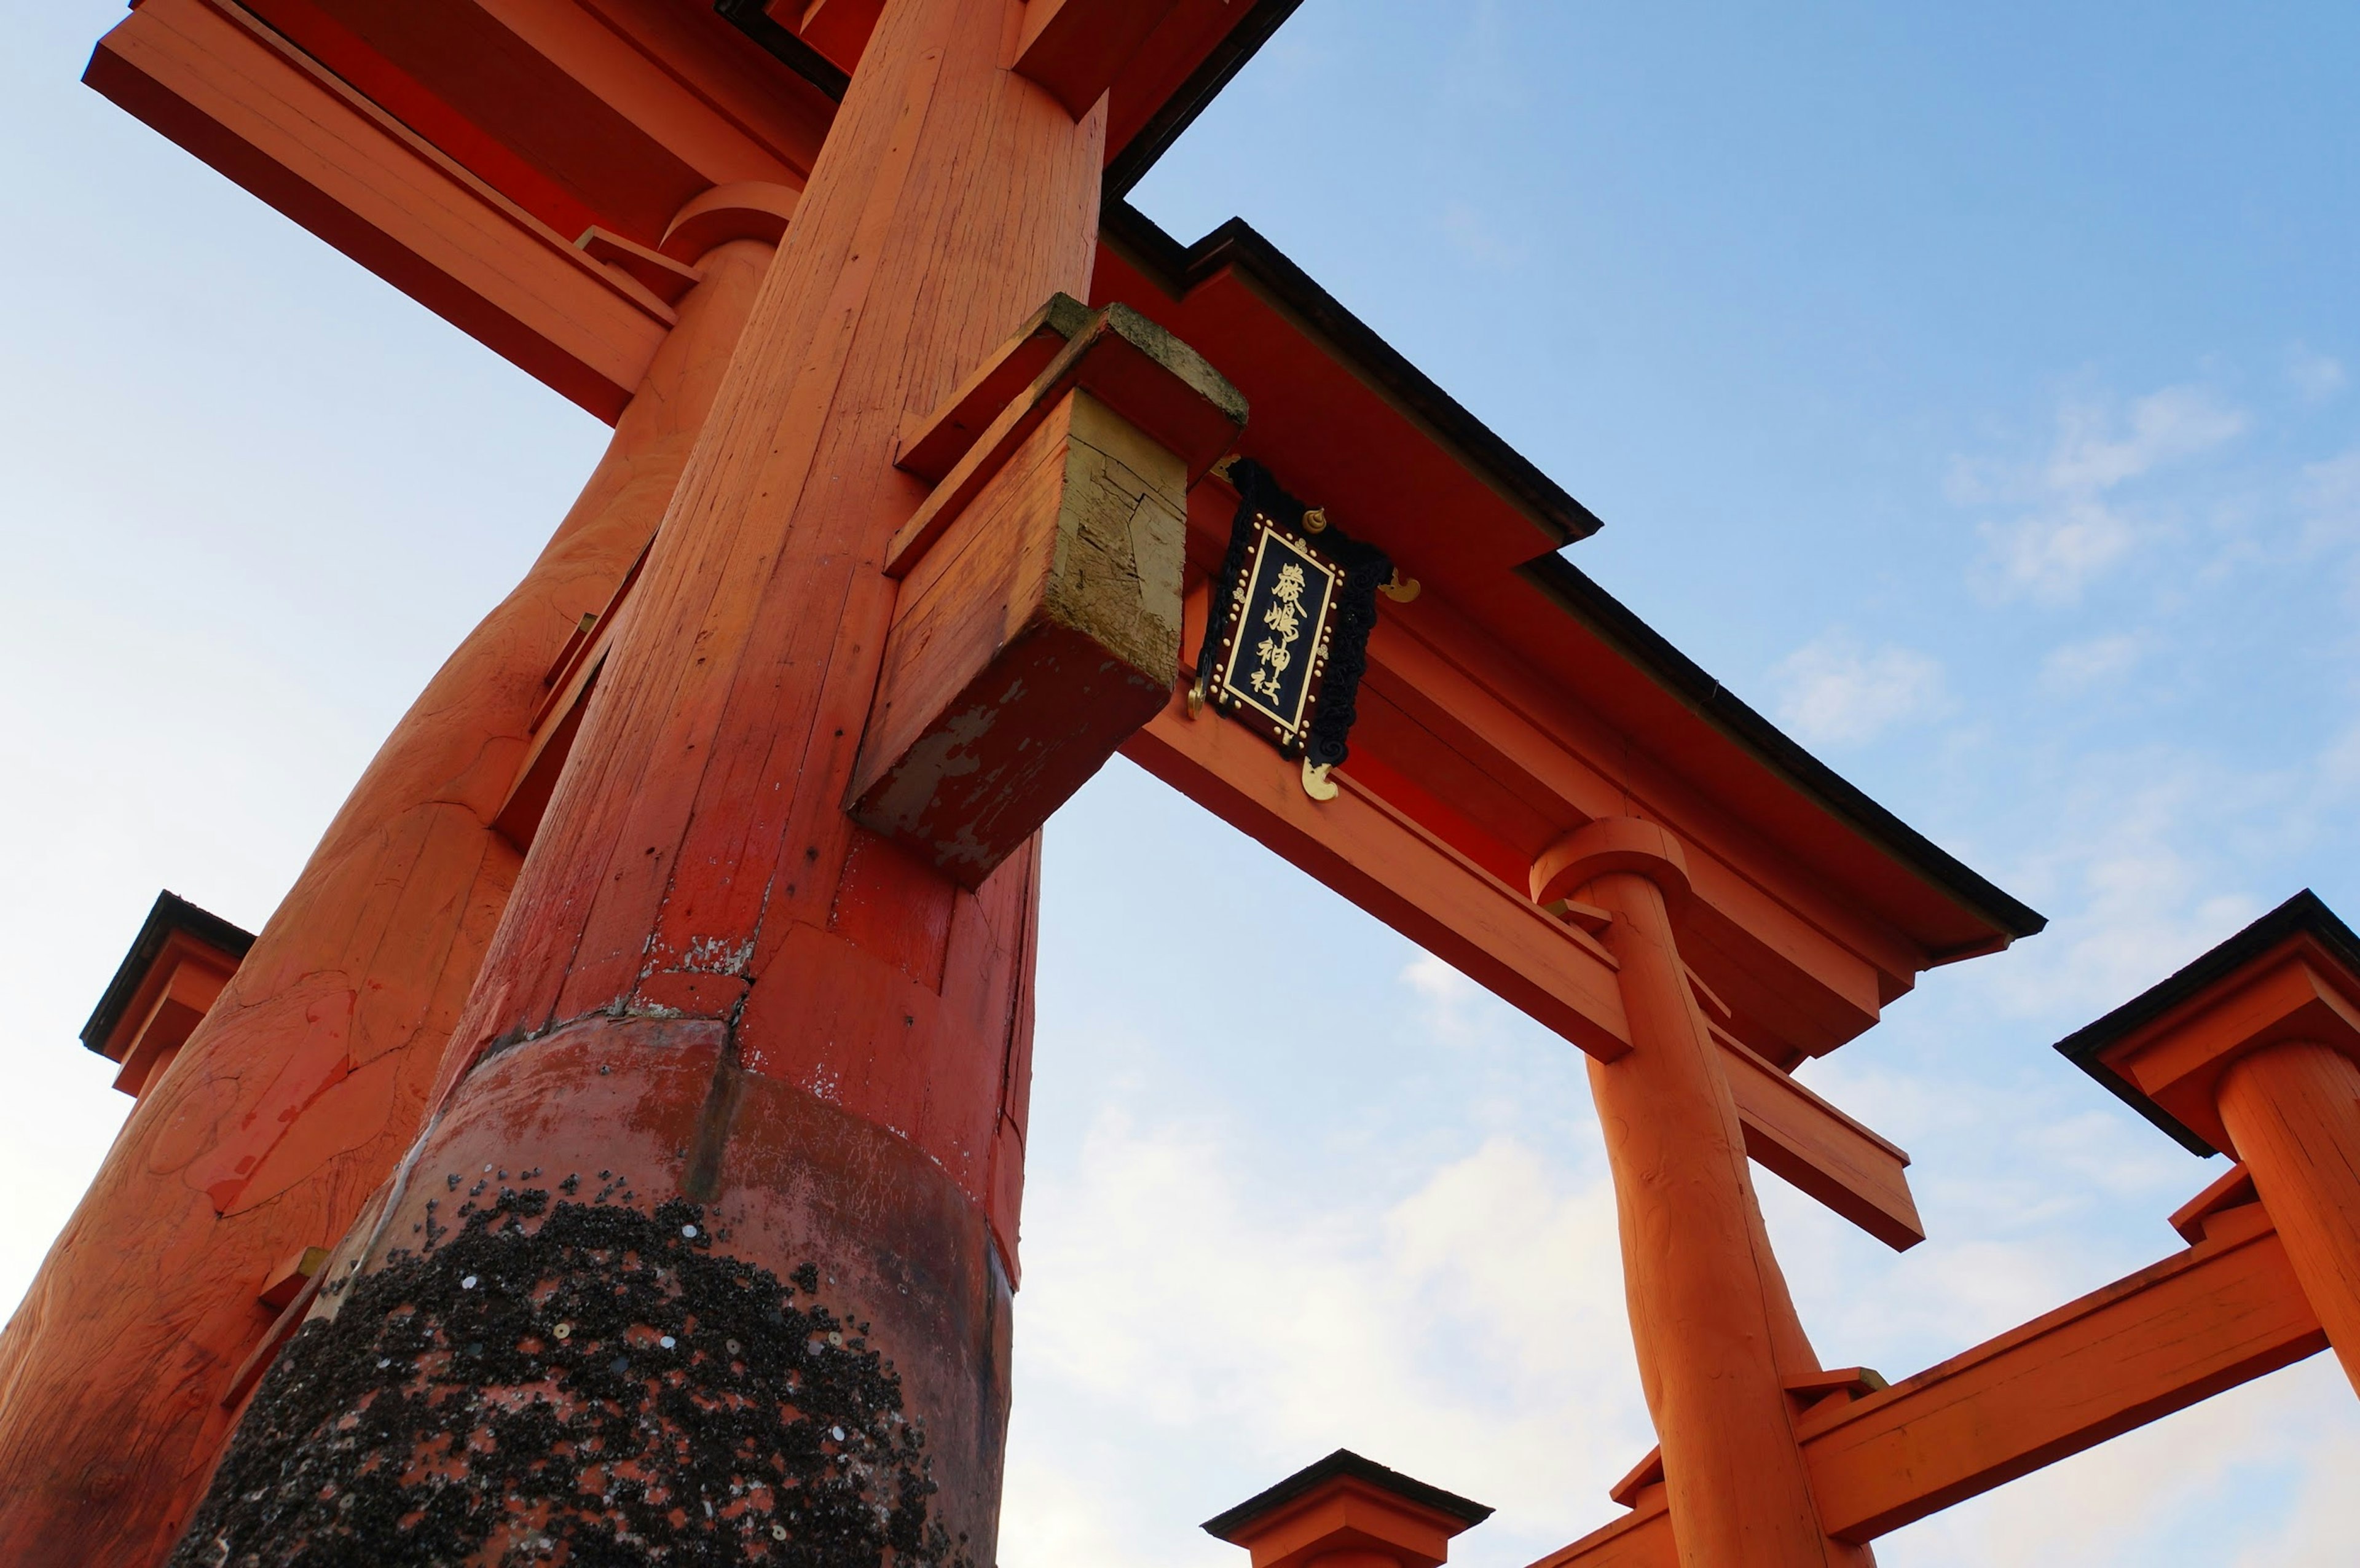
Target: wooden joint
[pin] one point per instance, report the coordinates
(1609, 844)
(2194, 1220)
(1039, 625)
(667, 279)
(286, 1281)
(1074, 49)
(1139, 371)
(739, 210)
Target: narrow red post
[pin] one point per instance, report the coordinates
(1710, 1312)
(293, 1098)
(708, 1246)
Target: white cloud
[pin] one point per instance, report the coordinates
(1833, 692)
(2072, 525)
(1471, 1334)
(2078, 666)
(2316, 377)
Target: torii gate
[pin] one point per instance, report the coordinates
(635, 1078)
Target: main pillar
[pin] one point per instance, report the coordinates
(707, 1252)
(1715, 1333)
(307, 1079)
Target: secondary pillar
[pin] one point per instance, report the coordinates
(2292, 1111)
(294, 1097)
(1710, 1312)
(2253, 1051)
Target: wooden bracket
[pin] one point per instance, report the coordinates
(1141, 372)
(1038, 624)
(667, 279)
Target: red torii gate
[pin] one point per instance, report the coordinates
(645, 1049)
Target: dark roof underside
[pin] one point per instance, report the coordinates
(1236, 245)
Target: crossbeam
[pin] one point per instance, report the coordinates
(1389, 864)
(211, 77)
(2222, 1313)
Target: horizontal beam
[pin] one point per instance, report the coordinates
(213, 80)
(1395, 870)
(1495, 935)
(2221, 1313)
(2224, 1312)
(1795, 1135)
(1641, 1539)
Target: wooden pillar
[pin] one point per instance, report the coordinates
(2293, 1111)
(294, 1097)
(708, 1246)
(1710, 1312)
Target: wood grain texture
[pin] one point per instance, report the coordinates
(1715, 1332)
(294, 1097)
(695, 877)
(2293, 1115)
(2221, 1313)
(1030, 643)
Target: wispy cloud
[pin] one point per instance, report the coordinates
(1832, 692)
(2315, 376)
(2070, 522)
(2098, 661)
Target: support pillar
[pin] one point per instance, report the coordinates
(707, 1249)
(2292, 1110)
(1715, 1333)
(295, 1096)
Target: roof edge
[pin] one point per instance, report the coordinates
(1347, 1464)
(1214, 71)
(1644, 646)
(1179, 268)
(170, 913)
(2305, 914)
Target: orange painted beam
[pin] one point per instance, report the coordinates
(1792, 1132)
(1384, 861)
(212, 79)
(1394, 869)
(1641, 1539)
(2223, 1313)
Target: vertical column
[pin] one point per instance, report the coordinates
(2293, 1111)
(298, 1091)
(698, 1256)
(1710, 1312)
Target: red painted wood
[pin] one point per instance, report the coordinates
(291, 1102)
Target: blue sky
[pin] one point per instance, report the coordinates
(1970, 390)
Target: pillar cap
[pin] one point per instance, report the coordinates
(1611, 844)
(1346, 1503)
(739, 210)
(2292, 975)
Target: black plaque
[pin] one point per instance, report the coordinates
(1287, 630)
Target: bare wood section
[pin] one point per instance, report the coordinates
(1794, 1134)
(2219, 1314)
(1040, 633)
(213, 80)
